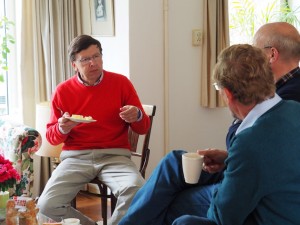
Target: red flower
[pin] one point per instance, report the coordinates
(8, 174)
(24, 141)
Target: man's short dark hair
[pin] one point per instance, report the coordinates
(80, 43)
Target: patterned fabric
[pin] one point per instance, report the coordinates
(18, 143)
(290, 75)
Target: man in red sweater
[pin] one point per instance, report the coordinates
(99, 148)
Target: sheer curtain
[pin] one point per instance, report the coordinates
(216, 38)
(47, 27)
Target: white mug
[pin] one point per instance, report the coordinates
(192, 164)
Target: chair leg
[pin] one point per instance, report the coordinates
(104, 209)
(113, 202)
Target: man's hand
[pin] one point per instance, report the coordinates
(65, 125)
(129, 113)
(213, 159)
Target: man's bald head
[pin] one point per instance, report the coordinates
(281, 35)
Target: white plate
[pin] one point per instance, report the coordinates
(69, 223)
(81, 120)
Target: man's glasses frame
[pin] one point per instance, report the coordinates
(87, 60)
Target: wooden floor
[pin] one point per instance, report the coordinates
(89, 205)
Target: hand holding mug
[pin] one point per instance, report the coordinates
(213, 159)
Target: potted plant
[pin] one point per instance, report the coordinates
(8, 178)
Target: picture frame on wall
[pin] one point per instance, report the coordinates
(102, 18)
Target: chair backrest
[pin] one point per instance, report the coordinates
(134, 138)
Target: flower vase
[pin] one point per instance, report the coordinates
(4, 196)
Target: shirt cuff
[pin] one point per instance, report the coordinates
(140, 115)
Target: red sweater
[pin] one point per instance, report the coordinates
(103, 103)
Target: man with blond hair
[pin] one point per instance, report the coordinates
(255, 189)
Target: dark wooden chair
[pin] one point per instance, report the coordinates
(143, 154)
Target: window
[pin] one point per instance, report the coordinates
(3, 80)
(8, 87)
(246, 16)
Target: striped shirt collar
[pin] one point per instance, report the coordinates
(86, 84)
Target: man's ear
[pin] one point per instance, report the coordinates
(74, 66)
(228, 93)
(274, 55)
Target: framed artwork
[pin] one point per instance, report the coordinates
(102, 17)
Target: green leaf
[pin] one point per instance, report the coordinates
(6, 41)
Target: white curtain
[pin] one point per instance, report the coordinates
(215, 39)
(47, 28)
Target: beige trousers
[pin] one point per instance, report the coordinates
(77, 168)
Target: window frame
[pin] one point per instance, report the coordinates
(11, 85)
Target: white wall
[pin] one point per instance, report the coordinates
(138, 50)
(115, 48)
(191, 126)
(147, 65)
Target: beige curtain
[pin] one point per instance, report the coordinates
(47, 27)
(216, 38)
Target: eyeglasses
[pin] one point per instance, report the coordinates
(268, 47)
(217, 87)
(85, 61)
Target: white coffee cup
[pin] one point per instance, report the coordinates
(71, 221)
(192, 164)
